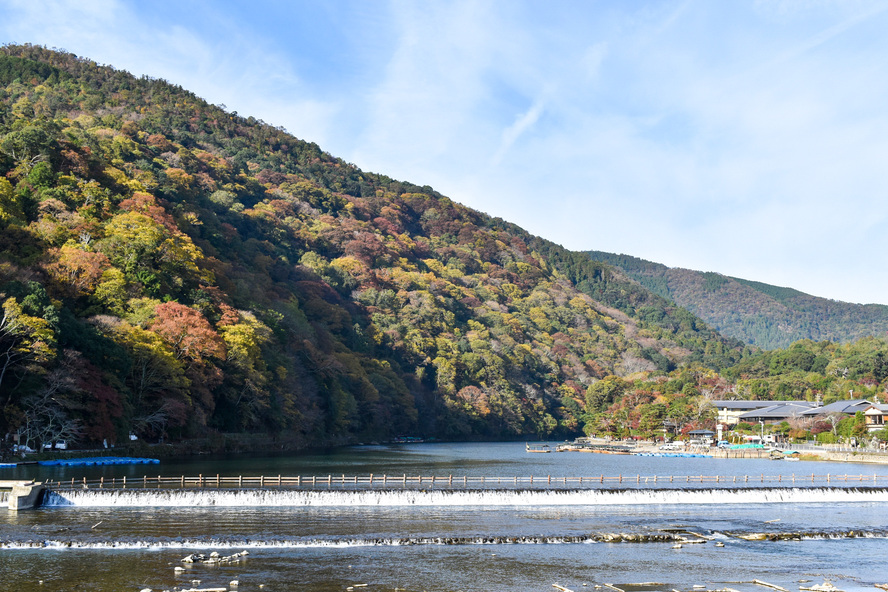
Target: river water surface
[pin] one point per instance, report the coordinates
(490, 538)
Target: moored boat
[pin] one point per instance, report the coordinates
(543, 448)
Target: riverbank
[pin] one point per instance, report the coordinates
(245, 444)
(215, 444)
(850, 457)
(812, 454)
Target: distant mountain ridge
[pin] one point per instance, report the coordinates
(756, 313)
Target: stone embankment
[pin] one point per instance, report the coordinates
(854, 457)
(21, 495)
(825, 454)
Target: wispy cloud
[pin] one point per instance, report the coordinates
(514, 131)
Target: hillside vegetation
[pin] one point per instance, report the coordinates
(759, 314)
(682, 401)
(170, 269)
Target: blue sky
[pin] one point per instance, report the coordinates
(744, 137)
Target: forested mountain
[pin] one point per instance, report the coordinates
(753, 312)
(171, 269)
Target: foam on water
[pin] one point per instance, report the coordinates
(339, 543)
(488, 497)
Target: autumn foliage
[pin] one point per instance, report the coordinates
(187, 332)
(216, 274)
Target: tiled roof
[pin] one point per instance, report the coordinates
(779, 411)
(746, 404)
(850, 407)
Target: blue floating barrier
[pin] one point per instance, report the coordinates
(99, 461)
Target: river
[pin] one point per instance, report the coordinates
(491, 538)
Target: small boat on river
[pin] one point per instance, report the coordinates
(597, 448)
(543, 448)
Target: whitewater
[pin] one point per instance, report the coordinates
(480, 497)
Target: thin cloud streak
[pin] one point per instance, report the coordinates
(514, 131)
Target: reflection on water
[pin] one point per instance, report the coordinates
(489, 460)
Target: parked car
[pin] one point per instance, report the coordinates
(60, 445)
(724, 444)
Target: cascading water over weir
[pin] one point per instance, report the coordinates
(450, 497)
(383, 504)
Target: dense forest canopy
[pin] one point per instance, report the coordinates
(169, 269)
(758, 314)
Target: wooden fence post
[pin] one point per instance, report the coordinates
(448, 480)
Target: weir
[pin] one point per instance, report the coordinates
(453, 481)
(466, 498)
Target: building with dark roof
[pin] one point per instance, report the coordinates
(875, 416)
(778, 411)
(848, 407)
(729, 412)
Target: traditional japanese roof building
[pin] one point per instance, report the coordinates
(848, 407)
(779, 411)
(729, 412)
(875, 416)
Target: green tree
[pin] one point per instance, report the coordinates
(11, 208)
(604, 392)
(156, 381)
